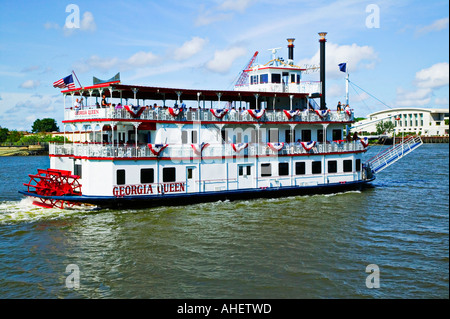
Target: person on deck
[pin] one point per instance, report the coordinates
(339, 107)
(104, 102)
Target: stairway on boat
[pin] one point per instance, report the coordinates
(393, 154)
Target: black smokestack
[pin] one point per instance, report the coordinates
(291, 50)
(322, 41)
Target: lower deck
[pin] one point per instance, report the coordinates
(153, 177)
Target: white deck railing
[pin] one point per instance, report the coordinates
(162, 114)
(186, 150)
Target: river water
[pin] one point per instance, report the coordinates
(300, 247)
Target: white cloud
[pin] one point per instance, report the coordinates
(30, 84)
(87, 22)
(223, 59)
(418, 97)
(433, 77)
(356, 57)
(222, 11)
(19, 110)
(189, 48)
(235, 5)
(51, 25)
(435, 26)
(139, 59)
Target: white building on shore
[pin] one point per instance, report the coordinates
(423, 121)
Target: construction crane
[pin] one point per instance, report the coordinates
(244, 76)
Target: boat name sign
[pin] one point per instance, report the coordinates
(145, 189)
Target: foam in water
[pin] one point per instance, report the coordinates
(25, 211)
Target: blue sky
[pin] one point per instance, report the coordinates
(403, 61)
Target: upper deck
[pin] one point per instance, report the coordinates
(163, 114)
(151, 104)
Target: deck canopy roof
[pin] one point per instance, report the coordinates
(161, 93)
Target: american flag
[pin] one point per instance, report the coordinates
(66, 82)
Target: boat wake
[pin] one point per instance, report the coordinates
(25, 211)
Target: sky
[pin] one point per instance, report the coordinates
(397, 52)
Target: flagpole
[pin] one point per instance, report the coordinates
(76, 78)
(346, 85)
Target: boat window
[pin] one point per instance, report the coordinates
(292, 78)
(276, 78)
(120, 177)
(254, 79)
(332, 166)
(316, 167)
(298, 78)
(306, 135)
(358, 165)
(169, 174)
(264, 78)
(190, 173)
(147, 176)
(348, 166)
(337, 135)
(184, 137)
(273, 135)
(289, 136)
(245, 170)
(320, 136)
(77, 170)
(194, 136)
(300, 168)
(266, 169)
(283, 169)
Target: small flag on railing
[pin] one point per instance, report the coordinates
(308, 145)
(174, 111)
(343, 67)
(239, 147)
(219, 113)
(156, 149)
(256, 114)
(322, 113)
(66, 82)
(364, 141)
(275, 146)
(291, 114)
(134, 113)
(198, 148)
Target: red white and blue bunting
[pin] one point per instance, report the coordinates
(134, 113)
(156, 149)
(198, 148)
(308, 145)
(239, 147)
(364, 141)
(257, 114)
(322, 113)
(219, 113)
(291, 114)
(175, 111)
(275, 146)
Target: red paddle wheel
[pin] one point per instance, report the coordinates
(54, 182)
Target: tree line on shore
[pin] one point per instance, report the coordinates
(41, 133)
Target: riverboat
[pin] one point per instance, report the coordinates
(268, 137)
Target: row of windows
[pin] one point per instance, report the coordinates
(289, 136)
(316, 167)
(275, 78)
(148, 175)
(169, 173)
